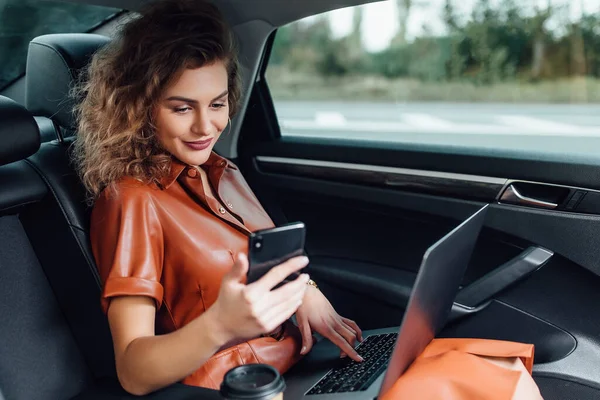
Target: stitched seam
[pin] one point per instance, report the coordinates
(201, 292)
(255, 355)
(543, 320)
(151, 201)
(16, 206)
(123, 278)
(69, 221)
(169, 312)
(226, 352)
(214, 384)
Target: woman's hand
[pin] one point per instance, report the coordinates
(245, 311)
(317, 314)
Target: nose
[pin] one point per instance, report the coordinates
(202, 124)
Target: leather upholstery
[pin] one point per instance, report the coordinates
(66, 255)
(19, 134)
(53, 65)
(54, 163)
(174, 243)
(20, 186)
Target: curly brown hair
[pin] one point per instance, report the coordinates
(119, 90)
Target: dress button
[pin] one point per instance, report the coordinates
(221, 210)
(192, 172)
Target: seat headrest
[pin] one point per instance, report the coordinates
(19, 133)
(53, 65)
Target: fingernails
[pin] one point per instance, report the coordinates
(304, 260)
(361, 359)
(303, 351)
(343, 356)
(305, 277)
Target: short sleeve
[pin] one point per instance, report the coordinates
(128, 246)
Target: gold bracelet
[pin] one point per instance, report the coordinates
(277, 334)
(312, 283)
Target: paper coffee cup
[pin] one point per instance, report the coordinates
(253, 382)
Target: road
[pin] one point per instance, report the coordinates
(539, 128)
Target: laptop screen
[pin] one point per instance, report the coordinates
(441, 272)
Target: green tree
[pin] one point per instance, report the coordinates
(539, 36)
(403, 7)
(590, 25)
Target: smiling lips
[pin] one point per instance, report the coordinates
(199, 145)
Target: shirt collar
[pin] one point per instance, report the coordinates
(177, 167)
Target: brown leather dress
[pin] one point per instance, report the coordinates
(173, 242)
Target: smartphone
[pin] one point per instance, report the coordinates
(268, 248)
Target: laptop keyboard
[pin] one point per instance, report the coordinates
(352, 376)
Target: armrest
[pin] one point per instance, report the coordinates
(489, 285)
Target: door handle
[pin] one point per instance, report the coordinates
(512, 196)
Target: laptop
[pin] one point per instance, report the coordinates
(389, 352)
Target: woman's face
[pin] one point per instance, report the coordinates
(193, 112)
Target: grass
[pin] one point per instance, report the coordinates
(286, 85)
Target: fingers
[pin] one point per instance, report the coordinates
(280, 294)
(239, 270)
(347, 333)
(307, 340)
(354, 326)
(279, 273)
(340, 342)
(280, 312)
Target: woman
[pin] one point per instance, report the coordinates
(171, 218)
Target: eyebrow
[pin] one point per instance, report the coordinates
(188, 100)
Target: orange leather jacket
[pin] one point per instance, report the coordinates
(173, 242)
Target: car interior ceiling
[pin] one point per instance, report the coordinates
(534, 276)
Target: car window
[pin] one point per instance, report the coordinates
(23, 20)
(441, 71)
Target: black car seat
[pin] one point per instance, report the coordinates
(66, 254)
(39, 355)
(53, 63)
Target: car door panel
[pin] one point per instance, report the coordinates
(373, 207)
(571, 234)
(366, 243)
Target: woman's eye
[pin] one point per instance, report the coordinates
(182, 110)
(218, 105)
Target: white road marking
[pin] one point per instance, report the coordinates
(427, 121)
(421, 123)
(539, 125)
(330, 118)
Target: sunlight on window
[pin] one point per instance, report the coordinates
(389, 70)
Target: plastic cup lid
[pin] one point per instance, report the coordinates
(252, 381)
